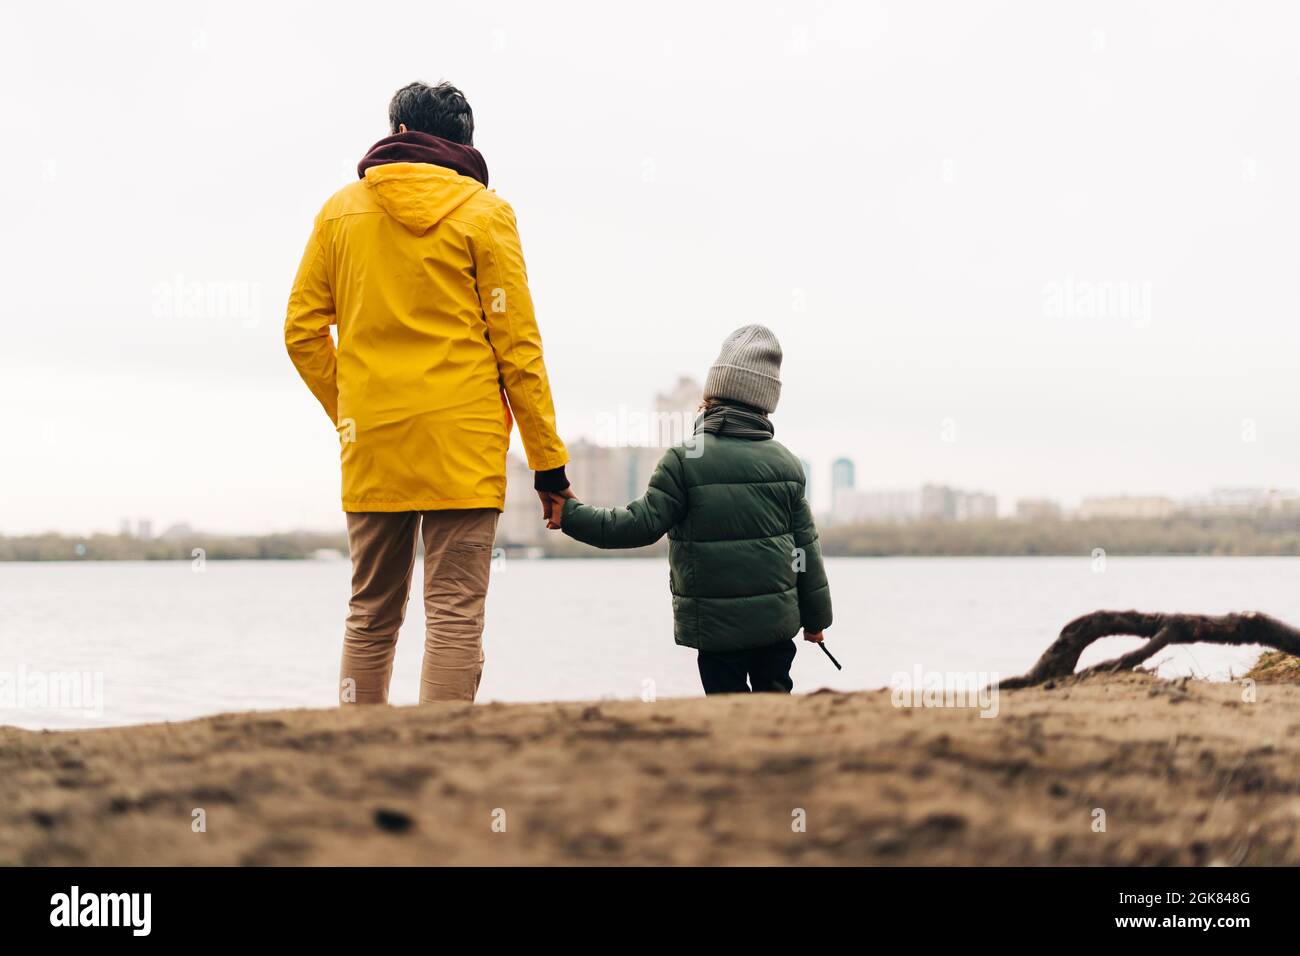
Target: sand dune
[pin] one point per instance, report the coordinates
(1186, 773)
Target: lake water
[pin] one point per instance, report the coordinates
(168, 642)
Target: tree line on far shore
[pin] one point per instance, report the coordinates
(119, 547)
(1263, 534)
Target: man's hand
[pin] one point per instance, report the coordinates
(815, 636)
(553, 506)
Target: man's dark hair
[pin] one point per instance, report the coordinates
(441, 110)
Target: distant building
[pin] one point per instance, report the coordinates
(842, 474)
(610, 477)
(942, 503)
(875, 507)
(675, 412)
(1038, 509)
(975, 506)
(1243, 501)
(602, 475)
(930, 503)
(844, 504)
(938, 503)
(1127, 507)
(608, 474)
(686, 394)
(521, 522)
(144, 529)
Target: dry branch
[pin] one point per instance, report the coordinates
(1162, 630)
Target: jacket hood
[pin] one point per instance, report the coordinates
(418, 195)
(418, 178)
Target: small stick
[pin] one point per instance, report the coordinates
(822, 645)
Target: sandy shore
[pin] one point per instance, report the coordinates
(1186, 773)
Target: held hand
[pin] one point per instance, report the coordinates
(815, 636)
(555, 515)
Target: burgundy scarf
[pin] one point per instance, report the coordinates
(416, 147)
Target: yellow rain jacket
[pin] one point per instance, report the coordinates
(421, 270)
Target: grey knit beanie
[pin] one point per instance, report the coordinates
(748, 370)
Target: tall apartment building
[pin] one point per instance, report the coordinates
(608, 475)
(843, 474)
(675, 412)
(843, 492)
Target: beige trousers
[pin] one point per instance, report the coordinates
(457, 563)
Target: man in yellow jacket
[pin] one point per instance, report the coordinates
(419, 266)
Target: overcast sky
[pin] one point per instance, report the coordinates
(1025, 247)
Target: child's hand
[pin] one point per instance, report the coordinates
(555, 518)
(815, 637)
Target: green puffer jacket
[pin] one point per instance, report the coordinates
(745, 564)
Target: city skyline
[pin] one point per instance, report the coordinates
(617, 474)
(837, 474)
(962, 297)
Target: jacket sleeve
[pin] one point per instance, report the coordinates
(512, 330)
(643, 522)
(814, 589)
(307, 326)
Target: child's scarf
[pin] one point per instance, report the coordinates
(734, 421)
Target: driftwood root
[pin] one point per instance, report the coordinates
(1161, 630)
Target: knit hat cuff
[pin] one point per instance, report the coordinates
(743, 385)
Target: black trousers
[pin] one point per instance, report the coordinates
(765, 668)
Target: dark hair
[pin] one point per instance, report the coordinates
(441, 110)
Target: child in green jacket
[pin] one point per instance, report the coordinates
(746, 566)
